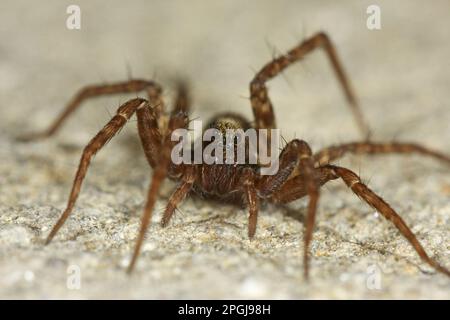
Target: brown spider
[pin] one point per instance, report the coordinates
(301, 173)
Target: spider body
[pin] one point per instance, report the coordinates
(221, 182)
(300, 173)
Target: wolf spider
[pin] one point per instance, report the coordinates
(301, 172)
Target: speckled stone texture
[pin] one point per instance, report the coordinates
(400, 73)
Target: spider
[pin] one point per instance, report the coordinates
(301, 172)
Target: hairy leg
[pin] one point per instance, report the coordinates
(179, 194)
(288, 160)
(248, 183)
(295, 188)
(124, 112)
(306, 166)
(153, 90)
(332, 153)
(152, 124)
(260, 101)
(376, 202)
(183, 99)
(150, 133)
(176, 121)
(296, 156)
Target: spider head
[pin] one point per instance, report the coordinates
(229, 125)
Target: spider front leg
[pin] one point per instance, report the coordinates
(124, 112)
(179, 194)
(161, 161)
(264, 186)
(248, 183)
(152, 123)
(176, 121)
(296, 155)
(259, 97)
(306, 166)
(153, 90)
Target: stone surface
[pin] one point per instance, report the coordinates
(400, 73)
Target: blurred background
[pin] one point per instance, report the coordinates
(400, 74)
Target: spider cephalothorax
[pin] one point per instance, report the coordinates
(300, 171)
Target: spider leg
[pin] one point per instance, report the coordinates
(376, 202)
(150, 133)
(260, 101)
(332, 153)
(295, 188)
(179, 194)
(124, 112)
(296, 153)
(183, 99)
(152, 123)
(153, 90)
(267, 185)
(176, 121)
(306, 166)
(248, 183)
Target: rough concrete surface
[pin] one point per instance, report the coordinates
(400, 73)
